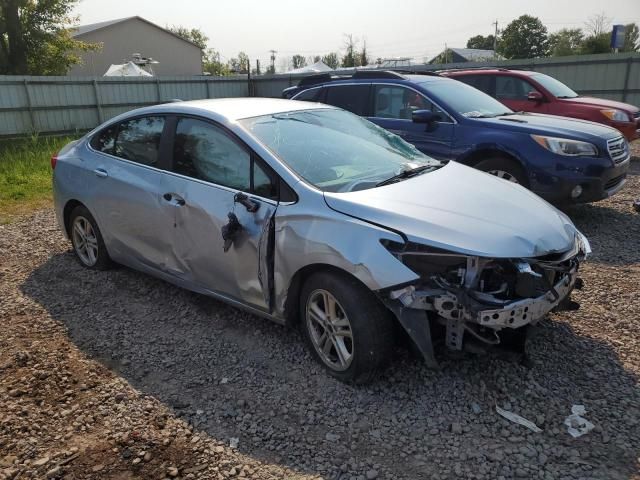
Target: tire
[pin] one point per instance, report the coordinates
(87, 241)
(510, 170)
(356, 358)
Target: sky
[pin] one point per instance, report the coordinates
(391, 28)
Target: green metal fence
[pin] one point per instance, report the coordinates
(62, 104)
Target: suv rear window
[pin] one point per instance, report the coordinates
(310, 95)
(484, 83)
(354, 98)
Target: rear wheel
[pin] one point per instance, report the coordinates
(87, 241)
(348, 331)
(504, 168)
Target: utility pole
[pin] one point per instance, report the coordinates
(446, 53)
(273, 61)
(495, 39)
(258, 67)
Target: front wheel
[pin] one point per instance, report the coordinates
(504, 168)
(347, 329)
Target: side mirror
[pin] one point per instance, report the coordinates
(424, 116)
(534, 96)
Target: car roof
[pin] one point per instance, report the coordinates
(236, 108)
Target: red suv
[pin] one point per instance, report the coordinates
(535, 92)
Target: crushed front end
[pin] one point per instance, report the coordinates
(479, 301)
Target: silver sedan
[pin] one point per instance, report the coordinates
(307, 214)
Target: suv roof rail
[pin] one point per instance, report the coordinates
(373, 73)
(432, 73)
(501, 69)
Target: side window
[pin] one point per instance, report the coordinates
(138, 140)
(353, 98)
(481, 82)
(105, 141)
(309, 95)
(393, 101)
(206, 152)
(512, 88)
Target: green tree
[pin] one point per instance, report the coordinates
(298, 61)
(567, 41)
(212, 63)
(524, 37)
(481, 42)
(596, 44)
(631, 38)
(239, 64)
(331, 60)
(350, 56)
(194, 35)
(35, 37)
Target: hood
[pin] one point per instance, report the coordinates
(460, 209)
(601, 102)
(554, 126)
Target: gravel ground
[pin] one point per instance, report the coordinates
(118, 375)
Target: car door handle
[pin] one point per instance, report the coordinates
(174, 199)
(101, 172)
(244, 200)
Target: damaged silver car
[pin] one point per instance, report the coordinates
(307, 214)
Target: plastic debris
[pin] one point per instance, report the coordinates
(515, 418)
(578, 425)
(636, 205)
(233, 442)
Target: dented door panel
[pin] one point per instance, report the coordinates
(197, 256)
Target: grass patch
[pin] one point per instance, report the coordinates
(25, 174)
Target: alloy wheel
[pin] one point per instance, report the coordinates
(85, 241)
(503, 175)
(330, 330)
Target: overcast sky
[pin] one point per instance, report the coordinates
(413, 28)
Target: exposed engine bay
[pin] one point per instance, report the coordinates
(471, 296)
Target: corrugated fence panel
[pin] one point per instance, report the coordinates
(58, 104)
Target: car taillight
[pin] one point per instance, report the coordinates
(54, 160)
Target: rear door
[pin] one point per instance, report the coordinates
(210, 166)
(126, 194)
(393, 106)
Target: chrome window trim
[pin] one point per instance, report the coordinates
(204, 182)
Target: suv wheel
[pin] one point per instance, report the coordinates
(348, 331)
(504, 168)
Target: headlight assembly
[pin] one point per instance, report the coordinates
(565, 146)
(616, 115)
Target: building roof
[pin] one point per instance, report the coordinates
(92, 27)
(474, 54)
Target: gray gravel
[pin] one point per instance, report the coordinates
(146, 363)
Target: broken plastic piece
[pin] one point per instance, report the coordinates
(578, 426)
(233, 442)
(636, 205)
(515, 418)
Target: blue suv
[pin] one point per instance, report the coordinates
(561, 159)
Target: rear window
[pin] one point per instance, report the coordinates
(309, 95)
(481, 82)
(353, 98)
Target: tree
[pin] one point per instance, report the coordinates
(331, 60)
(567, 41)
(240, 64)
(364, 56)
(349, 59)
(35, 37)
(211, 63)
(524, 37)
(480, 42)
(298, 61)
(194, 35)
(631, 38)
(597, 25)
(596, 44)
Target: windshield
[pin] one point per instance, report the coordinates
(335, 150)
(466, 100)
(556, 88)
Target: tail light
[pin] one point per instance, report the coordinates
(54, 160)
